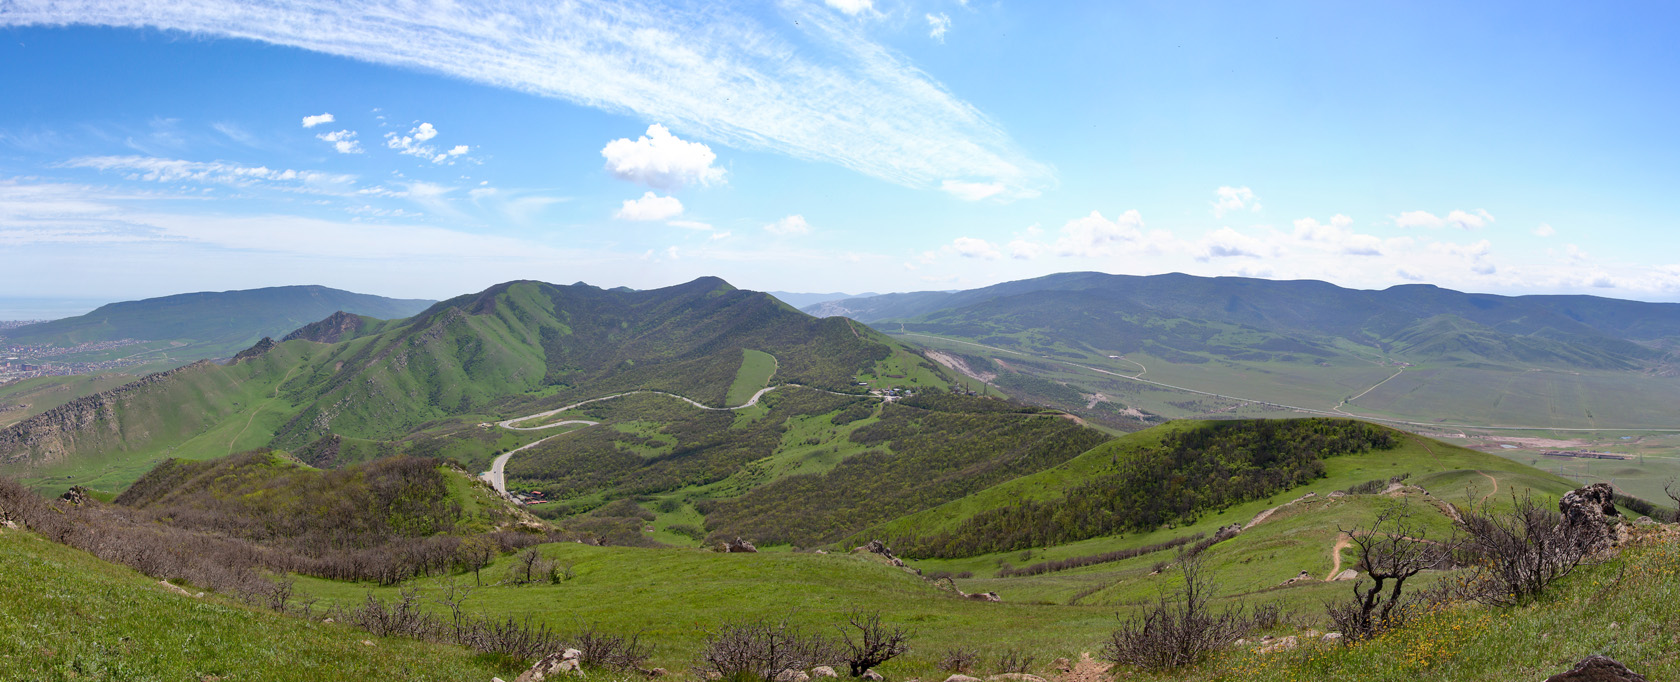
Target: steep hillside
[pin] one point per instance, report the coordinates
(349, 388)
(110, 622)
(213, 324)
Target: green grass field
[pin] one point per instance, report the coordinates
(756, 369)
(65, 615)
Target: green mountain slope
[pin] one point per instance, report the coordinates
(349, 388)
(213, 324)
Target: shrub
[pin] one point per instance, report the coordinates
(614, 652)
(959, 660)
(875, 643)
(1179, 630)
(1014, 660)
(759, 650)
(1517, 554)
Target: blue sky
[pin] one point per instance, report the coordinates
(149, 148)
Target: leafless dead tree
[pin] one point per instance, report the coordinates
(1392, 550)
(1517, 554)
(1180, 629)
(875, 643)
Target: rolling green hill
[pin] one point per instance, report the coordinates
(212, 324)
(349, 388)
(1070, 339)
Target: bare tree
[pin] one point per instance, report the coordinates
(1180, 629)
(454, 596)
(1522, 551)
(1393, 549)
(528, 563)
(875, 643)
(475, 553)
(761, 650)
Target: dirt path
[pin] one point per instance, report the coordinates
(257, 409)
(1085, 670)
(1492, 480)
(1343, 541)
(1338, 407)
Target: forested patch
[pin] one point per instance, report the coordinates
(1189, 474)
(709, 445)
(931, 449)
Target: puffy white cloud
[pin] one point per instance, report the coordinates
(344, 141)
(423, 132)
(969, 247)
(1338, 235)
(1228, 243)
(661, 160)
(650, 207)
(688, 224)
(972, 191)
(412, 144)
(1544, 230)
(852, 7)
(1021, 249)
(1464, 220)
(938, 25)
(1227, 199)
(312, 121)
(793, 224)
(1095, 236)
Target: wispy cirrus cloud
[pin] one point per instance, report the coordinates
(163, 170)
(814, 88)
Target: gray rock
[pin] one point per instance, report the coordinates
(554, 666)
(823, 671)
(792, 676)
(1598, 669)
(1332, 638)
(1588, 510)
(1283, 644)
(872, 676)
(1347, 574)
(1014, 677)
(739, 546)
(961, 678)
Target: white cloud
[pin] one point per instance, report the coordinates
(650, 207)
(820, 90)
(155, 169)
(1094, 236)
(1229, 199)
(1228, 243)
(720, 235)
(688, 224)
(312, 121)
(938, 25)
(1464, 220)
(969, 247)
(972, 191)
(344, 141)
(1338, 235)
(1544, 230)
(852, 7)
(1022, 249)
(423, 132)
(793, 224)
(661, 160)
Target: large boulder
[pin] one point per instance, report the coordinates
(739, 546)
(984, 596)
(791, 675)
(1588, 510)
(823, 671)
(1598, 669)
(878, 547)
(554, 666)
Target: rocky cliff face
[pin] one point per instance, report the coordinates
(53, 434)
(337, 327)
(256, 351)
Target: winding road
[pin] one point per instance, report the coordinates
(497, 476)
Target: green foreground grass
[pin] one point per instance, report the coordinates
(65, 615)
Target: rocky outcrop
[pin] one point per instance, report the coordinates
(337, 327)
(261, 348)
(59, 431)
(554, 666)
(76, 495)
(878, 547)
(1598, 669)
(739, 546)
(1587, 510)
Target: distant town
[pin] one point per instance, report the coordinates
(28, 361)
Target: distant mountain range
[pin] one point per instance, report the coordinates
(215, 324)
(1179, 314)
(802, 300)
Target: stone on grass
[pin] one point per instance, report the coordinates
(552, 666)
(792, 676)
(872, 676)
(961, 678)
(823, 671)
(1283, 644)
(1598, 669)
